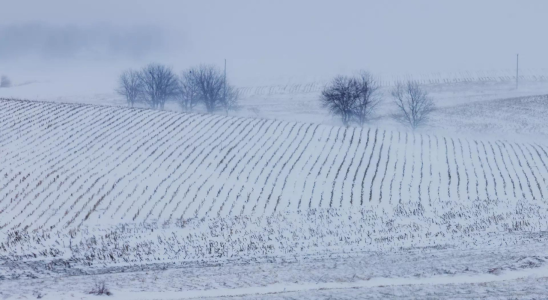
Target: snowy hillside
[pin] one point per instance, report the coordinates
(66, 165)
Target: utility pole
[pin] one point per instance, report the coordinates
(517, 70)
(225, 80)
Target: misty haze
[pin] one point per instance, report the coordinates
(283, 149)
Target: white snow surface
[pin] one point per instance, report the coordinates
(136, 198)
(285, 288)
(65, 166)
(490, 272)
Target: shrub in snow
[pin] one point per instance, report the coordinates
(5, 81)
(100, 289)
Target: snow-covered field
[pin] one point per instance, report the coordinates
(277, 201)
(492, 272)
(65, 166)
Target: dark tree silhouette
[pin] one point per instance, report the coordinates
(367, 97)
(351, 98)
(338, 98)
(159, 84)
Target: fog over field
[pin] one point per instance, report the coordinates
(269, 42)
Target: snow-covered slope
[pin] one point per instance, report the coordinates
(296, 209)
(66, 165)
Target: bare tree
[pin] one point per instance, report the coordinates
(413, 102)
(352, 98)
(213, 90)
(188, 95)
(130, 86)
(230, 99)
(159, 84)
(338, 97)
(5, 82)
(367, 97)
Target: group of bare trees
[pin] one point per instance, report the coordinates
(355, 98)
(155, 84)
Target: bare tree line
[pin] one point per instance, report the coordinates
(156, 84)
(355, 98)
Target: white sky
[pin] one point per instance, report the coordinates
(280, 40)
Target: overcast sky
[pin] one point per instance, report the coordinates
(282, 39)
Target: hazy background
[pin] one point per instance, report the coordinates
(267, 42)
